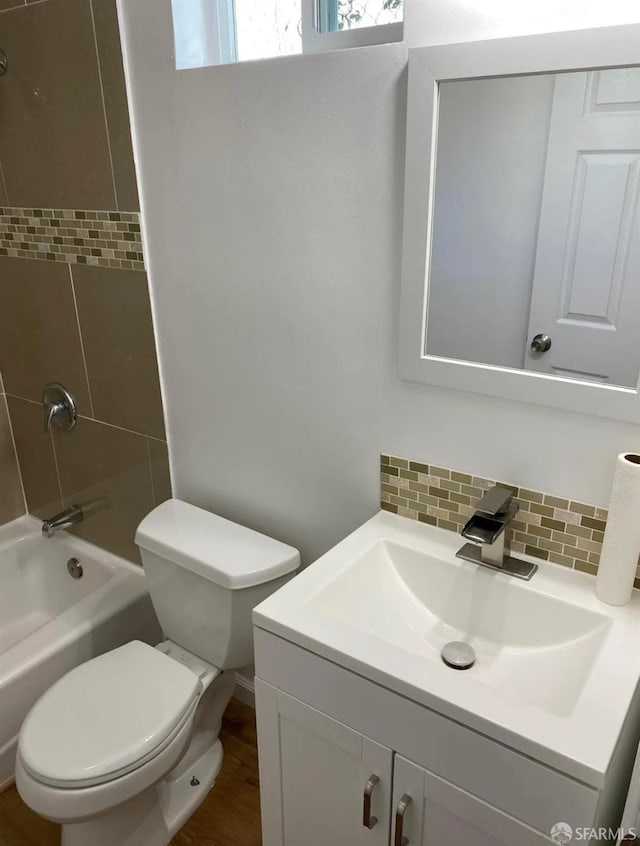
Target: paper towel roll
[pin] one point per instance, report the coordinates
(621, 545)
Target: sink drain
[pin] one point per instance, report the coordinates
(458, 655)
(74, 568)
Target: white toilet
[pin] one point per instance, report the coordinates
(124, 748)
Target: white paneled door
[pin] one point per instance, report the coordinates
(586, 287)
(428, 811)
(316, 785)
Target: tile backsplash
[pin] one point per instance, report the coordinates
(100, 238)
(548, 527)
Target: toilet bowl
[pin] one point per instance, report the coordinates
(125, 747)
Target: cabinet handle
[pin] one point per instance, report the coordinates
(367, 820)
(403, 804)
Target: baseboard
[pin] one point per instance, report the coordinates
(245, 690)
(10, 781)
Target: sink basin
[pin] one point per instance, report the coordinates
(552, 662)
(521, 638)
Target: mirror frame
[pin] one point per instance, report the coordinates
(574, 50)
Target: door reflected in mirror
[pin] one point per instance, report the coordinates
(535, 255)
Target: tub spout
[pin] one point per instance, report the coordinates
(64, 520)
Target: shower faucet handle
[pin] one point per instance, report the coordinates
(59, 408)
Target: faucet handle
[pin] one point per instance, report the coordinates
(51, 410)
(496, 501)
(59, 408)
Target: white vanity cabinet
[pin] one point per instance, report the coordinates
(325, 784)
(324, 731)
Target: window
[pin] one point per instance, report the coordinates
(336, 24)
(212, 32)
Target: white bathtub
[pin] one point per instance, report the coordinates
(50, 623)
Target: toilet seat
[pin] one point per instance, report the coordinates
(108, 717)
(63, 805)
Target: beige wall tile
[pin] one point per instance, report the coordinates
(36, 458)
(39, 337)
(53, 138)
(119, 346)
(107, 469)
(11, 500)
(160, 476)
(115, 102)
(10, 4)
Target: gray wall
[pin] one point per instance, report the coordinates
(272, 203)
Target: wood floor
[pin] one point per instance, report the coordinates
(229, 816)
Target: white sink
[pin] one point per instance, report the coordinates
(552, 662)
(419, 602)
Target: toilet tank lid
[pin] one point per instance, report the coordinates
(216, 549)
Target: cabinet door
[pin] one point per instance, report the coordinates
(428, 811)
(314, 773)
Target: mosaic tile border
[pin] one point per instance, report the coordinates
(547, 527)
(102, 238)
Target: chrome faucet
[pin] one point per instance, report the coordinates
(486, 529)
(59, 408)
(63, 520)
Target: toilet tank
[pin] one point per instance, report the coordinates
(205, 574)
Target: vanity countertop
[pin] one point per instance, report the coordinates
(556, 670)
